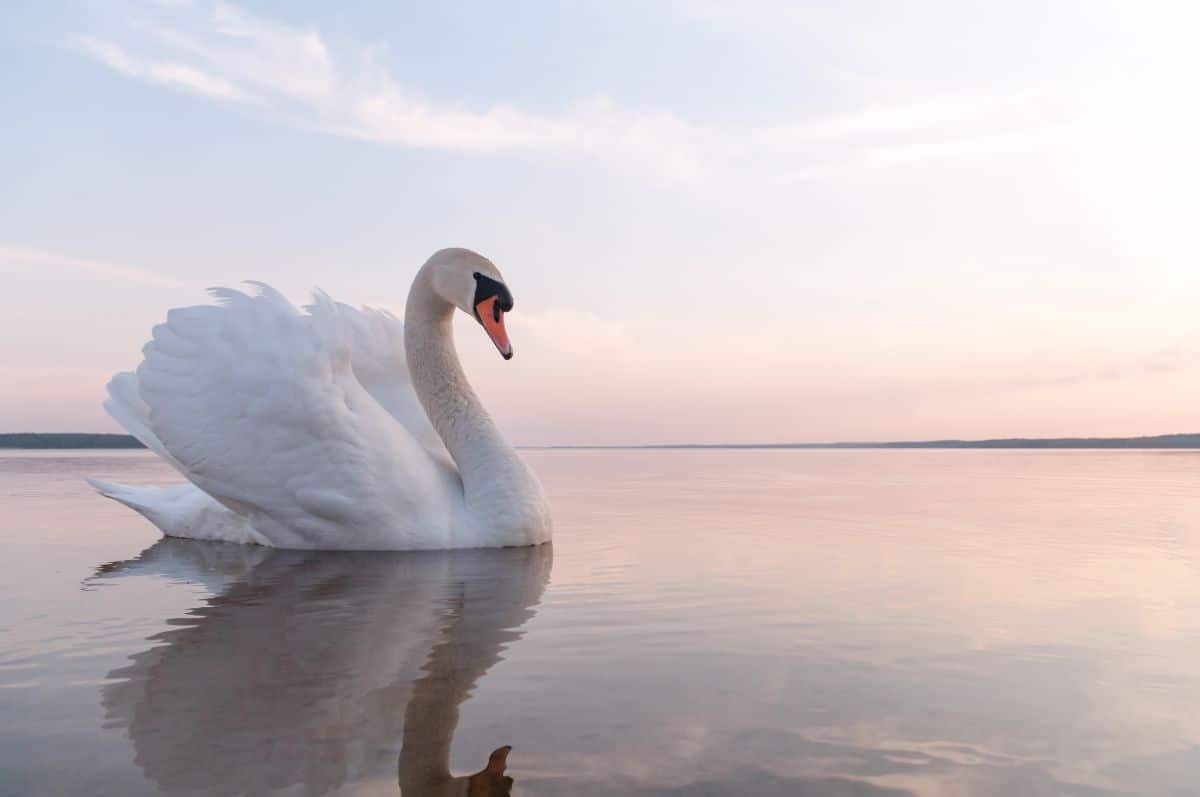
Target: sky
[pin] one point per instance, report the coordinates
(721, 222)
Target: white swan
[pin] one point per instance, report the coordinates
(333, 428)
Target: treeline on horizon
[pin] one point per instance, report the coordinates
(1154, 441)
(67, 440)
(87, 440)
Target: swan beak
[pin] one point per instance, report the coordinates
(491, 781)
(498, 760)
(492, 317)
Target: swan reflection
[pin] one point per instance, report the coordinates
(310, 672)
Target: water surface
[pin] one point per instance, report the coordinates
(838, 623)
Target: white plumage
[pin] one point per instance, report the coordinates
(329, 428)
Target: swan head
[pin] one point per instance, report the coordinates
(491, 781)
(473, 284)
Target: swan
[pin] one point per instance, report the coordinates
(330, 427)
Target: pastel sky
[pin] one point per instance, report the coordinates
(743, 221)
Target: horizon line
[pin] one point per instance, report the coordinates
(1187, 440)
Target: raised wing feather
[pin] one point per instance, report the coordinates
(125, 405)
(259, 405)
(377, 357)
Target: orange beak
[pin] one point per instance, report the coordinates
(492, 317)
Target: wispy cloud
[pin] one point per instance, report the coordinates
(166, 73)
(24, 257)
(225, 53)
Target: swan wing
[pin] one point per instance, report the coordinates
(377, 357)
(379, 363)
(125, 405)
(259, 406)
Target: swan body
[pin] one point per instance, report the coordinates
(330, 427)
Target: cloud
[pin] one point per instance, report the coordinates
(226, 53)
(29, 258)
(166, 73)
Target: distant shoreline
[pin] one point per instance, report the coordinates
(67, 440)
(1166, 441)
(52, 440)
(1154, 441)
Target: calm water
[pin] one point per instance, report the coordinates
(706, 623)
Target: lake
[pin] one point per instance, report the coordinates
(731, 622)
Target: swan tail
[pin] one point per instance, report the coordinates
(182, 510)
(144, 500)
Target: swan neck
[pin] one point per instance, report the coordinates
(457, 414)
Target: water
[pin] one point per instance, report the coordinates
(838, 623)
